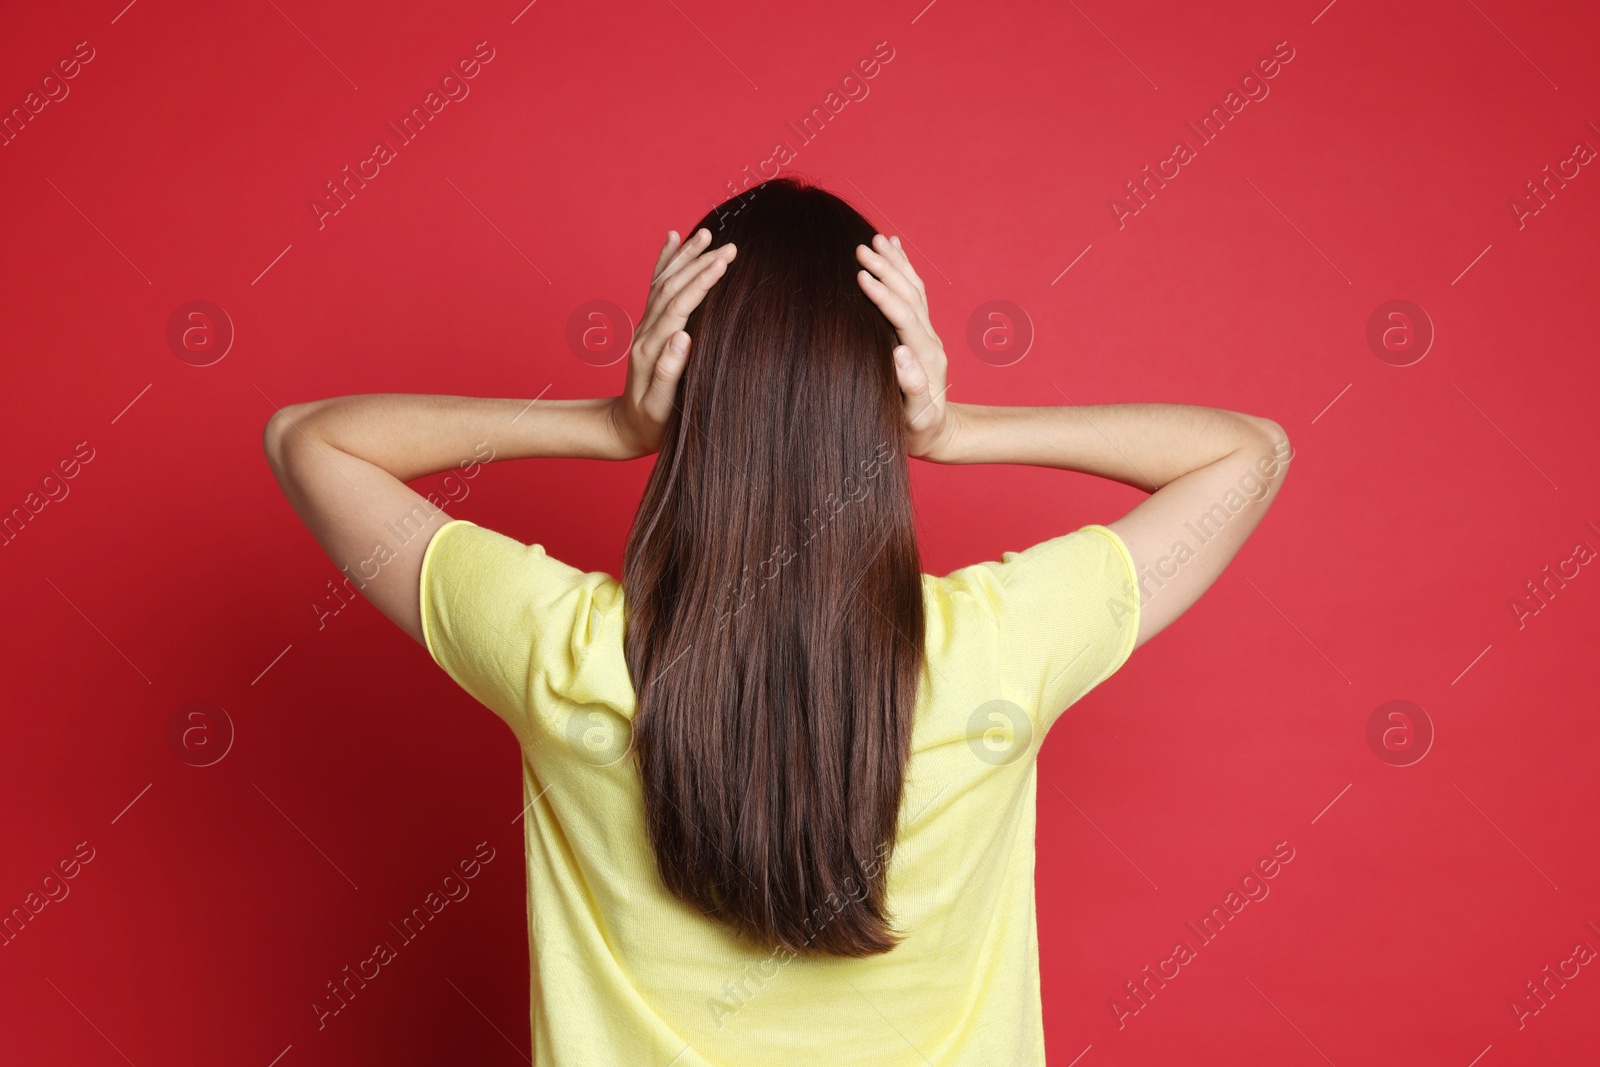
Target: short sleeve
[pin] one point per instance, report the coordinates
(504, 619)
(1067, 612)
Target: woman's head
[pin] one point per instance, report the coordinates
(775, 618)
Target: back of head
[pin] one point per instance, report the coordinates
(775, 622)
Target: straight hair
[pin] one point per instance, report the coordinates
(774, 631)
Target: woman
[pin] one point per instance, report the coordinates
(780, 783)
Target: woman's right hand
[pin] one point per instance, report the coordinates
(919, 359)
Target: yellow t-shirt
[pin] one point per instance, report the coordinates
(625, 974)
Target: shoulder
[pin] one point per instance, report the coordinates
(1071, 559)
(512, 619)
(464, 554)
(1041, 626)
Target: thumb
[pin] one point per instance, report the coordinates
(912, 378)
(669, 366)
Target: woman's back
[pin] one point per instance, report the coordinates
(793, 824)
(623, 971)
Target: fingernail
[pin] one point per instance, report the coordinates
(679, 343)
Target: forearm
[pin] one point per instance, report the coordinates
(1143, 445)
(414, 435)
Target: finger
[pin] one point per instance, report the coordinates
(694, 288)
(685, 254)
(901, 315)
(666, 254)
(894, 307)
(915, 385)
(687, 250)
(889, 274)
(684, 293)
(664, 378)
(909, 372)
(669, 286)
(918, 387)
(890, 246)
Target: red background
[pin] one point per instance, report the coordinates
(1381, 166)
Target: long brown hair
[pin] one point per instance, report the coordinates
(775, 619)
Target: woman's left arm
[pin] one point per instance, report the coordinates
(343, 463)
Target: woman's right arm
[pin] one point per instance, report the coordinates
(1211, 473)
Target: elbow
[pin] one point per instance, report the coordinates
(272, 439)
(285, 424)
(1276, 450)
(1275, 433)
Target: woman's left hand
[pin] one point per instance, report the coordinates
(684, 274)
